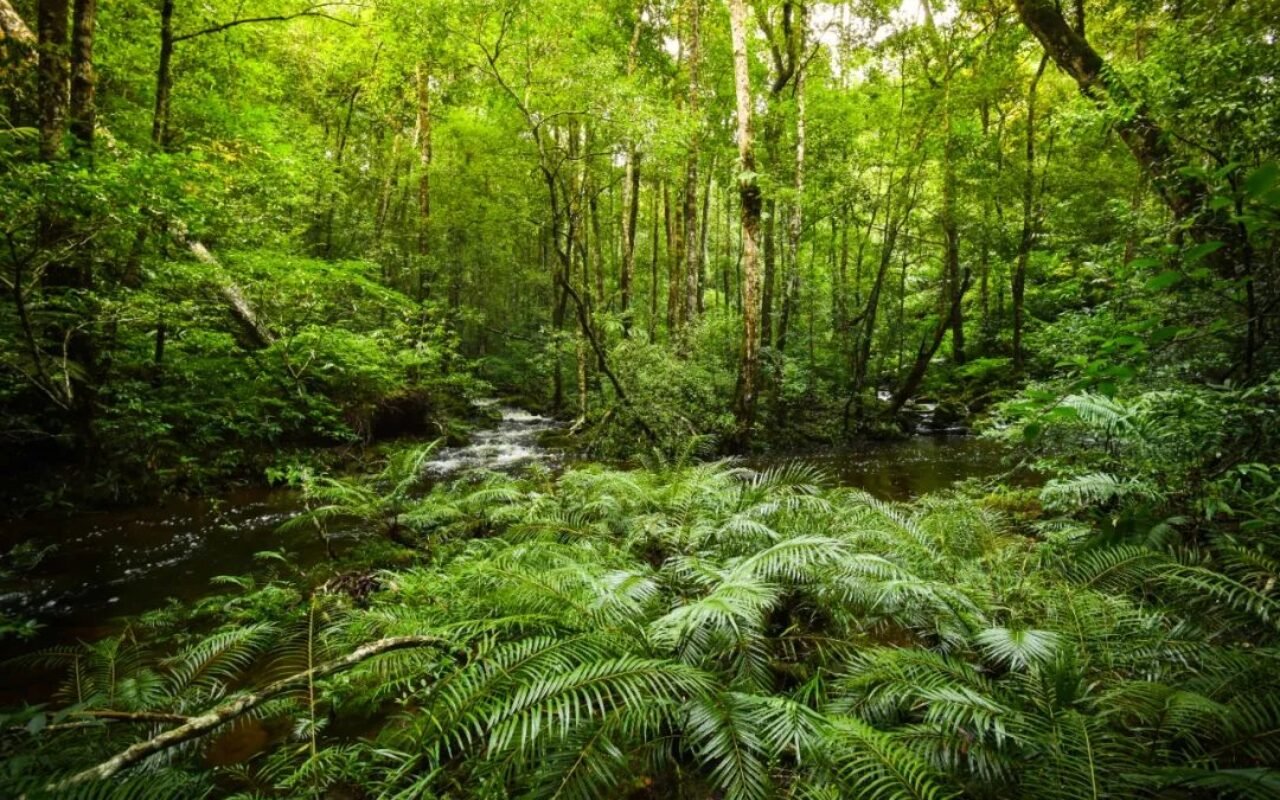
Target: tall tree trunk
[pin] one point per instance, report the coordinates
(344, 134)
(749, 190)
(630, 194)
(83, 113)
(769, 277)
(164, 77)
(704, 240)
(950, 228)
(653, 267)
(558, 300)
(795, 221)
(1027, 240)
(422, 78)
(631, 215)
(52, 74)
(384, 199)
(597, 241)
(692, 242)
(951, 237)
(784, 51)
(674, 259)
(727, 256)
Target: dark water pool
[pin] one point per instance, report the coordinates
(74, 573)
(907, 468)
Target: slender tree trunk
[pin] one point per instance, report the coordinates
(950, 228)
(795, 221)
(1027, 240)
(422, 78)
(928, 348)
(674, 258)
(653, 267)
(631, 215)
(749, 191)
(770, 268)
(727, 256)
(630, 195)
(331, 207)
(984, 255)
(951, 236)
(384, 199)
(559, 300)
(692, 245)
(52, 76)
(597, 244)
(83, 112)
(164, 77)
(704, 249)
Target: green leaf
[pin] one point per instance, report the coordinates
(1201, 250)
(1164, 280)
(1261, 179)
(1018, 647)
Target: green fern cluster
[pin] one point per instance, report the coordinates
(709, 630)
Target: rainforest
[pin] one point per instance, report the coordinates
(628, 399)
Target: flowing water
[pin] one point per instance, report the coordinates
(513, 443)
(75, 574)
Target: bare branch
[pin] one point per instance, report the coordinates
(311, 11)
(198, 726)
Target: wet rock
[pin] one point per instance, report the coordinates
(948, 415)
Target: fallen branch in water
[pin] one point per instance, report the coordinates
(202, 724)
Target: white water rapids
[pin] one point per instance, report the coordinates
(512, 443)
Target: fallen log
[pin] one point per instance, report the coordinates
(255, 333)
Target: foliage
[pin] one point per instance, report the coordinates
(750, 633)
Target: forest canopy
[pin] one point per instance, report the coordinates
(293, 242)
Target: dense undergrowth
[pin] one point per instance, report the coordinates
(686, 630)
(244, 241)
(186, 407)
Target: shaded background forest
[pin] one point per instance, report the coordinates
(232, 230)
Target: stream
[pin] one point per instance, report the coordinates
(76, 574)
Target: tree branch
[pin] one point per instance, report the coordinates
(312, 11)
(200, 725)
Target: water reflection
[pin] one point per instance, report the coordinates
(907, 468)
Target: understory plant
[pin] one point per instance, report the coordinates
(709, 630)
